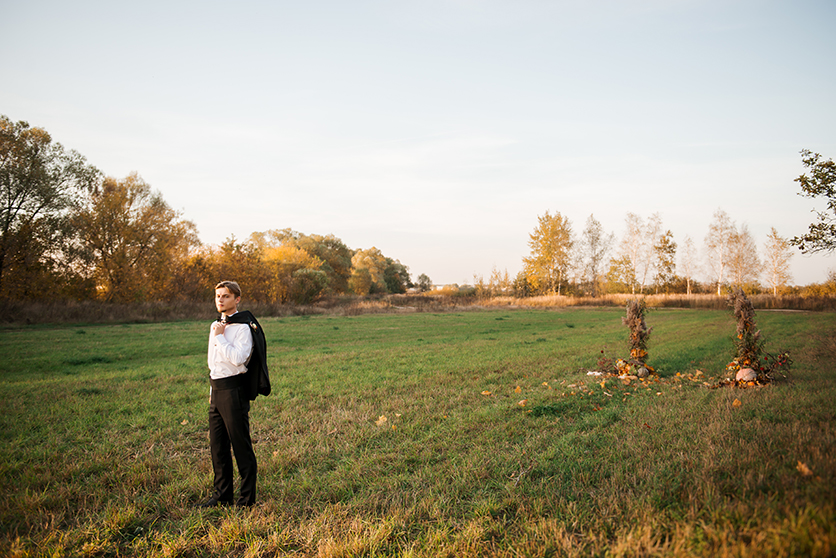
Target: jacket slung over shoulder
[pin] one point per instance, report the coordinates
(257, 378)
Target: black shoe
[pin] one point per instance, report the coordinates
(242, 504)
(214, 503)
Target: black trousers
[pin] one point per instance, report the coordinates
(229, 424)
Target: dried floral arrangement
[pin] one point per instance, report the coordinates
(639, 337)
(752, 365)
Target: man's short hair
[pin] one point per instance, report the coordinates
(233, 287)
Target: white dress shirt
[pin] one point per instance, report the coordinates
(230, 352)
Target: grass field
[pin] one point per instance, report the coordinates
(424, 434)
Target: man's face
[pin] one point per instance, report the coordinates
(225, 301)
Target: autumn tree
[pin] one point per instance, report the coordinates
(664, 262)
(294, 274)
(593, 247)
(40, 182)
(718, 244)
(551, 246)
(820, 182)
(621, 276)
(372, 262)
(132, 239)
(777, 256)
(243, 262)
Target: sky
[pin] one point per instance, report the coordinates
(438, 131)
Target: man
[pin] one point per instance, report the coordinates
(230, 351)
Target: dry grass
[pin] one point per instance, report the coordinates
(57, 312)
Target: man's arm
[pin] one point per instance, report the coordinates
(236, 343)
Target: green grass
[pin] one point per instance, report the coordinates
(104, 449)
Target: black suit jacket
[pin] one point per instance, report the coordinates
(257, 377)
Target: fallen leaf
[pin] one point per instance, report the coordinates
(804, 469)
(381, 420)
(646, 425)
(522, 403)
(517, 389)
(486, 392)
(185, 422)
(736, 403)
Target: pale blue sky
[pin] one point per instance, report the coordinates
(439, 130)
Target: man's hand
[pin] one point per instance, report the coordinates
(218, 328)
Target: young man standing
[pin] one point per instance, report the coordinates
(230, 351)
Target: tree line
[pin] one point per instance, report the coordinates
(67, 231)
(645, 258)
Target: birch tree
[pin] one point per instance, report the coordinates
(777, 256)
(593, 247)
(744, 263)
(689, 262)
(631, 251)
(718, 246)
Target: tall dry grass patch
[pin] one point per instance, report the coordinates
(58, 312)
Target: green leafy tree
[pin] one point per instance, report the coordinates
(335, 257)
(40, 183)
(820, 182)
(522, 288)
(551, 246)
(308, 284)
(396, 277)
(424, 283)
